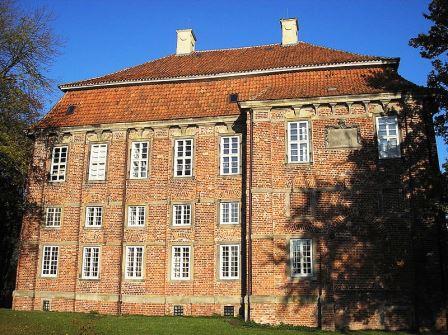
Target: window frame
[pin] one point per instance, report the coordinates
(230, 155)
(230, 277)
(128, 217)
(176, 157)
(388, 137)
(90, 167)
(139, 160)
(50, 275)
(291, 258)
(181, 263)
(142, 267)
(230, 203)
(58, 164)
(46, 216)
(98, 265)
(173, 214)
(95, 215)
(298, 142)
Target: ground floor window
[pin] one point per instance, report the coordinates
(229, 261)
(301, 256)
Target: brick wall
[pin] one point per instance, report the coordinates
(354, 207)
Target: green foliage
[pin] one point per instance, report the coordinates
(34, 323)
(434, 46)
(27, 47)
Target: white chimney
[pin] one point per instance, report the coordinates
(185, 41)
(289, 31)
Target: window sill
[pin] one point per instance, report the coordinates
(229, 225)
(89, 279)
(94, 182)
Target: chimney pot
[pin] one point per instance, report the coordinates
(186, 41)
(290, 30)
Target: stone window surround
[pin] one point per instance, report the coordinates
(81, 265)
(240, 151)
(171, 245)
(46, 207)
(171, 216)
(148, 164)
(124, 270)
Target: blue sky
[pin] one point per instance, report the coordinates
(105, 36)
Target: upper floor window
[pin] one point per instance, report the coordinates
(136, 216)
(298, 142)
(388, 139)
(301, 257)
(230, 155)
(183, 158)
(229, 261)
(58, 163)
(139, 160)
(90, 263)
(182, 215)
(53, 216)
(94, 216)
(97, 165)
(134, 262)
(50, 261)
(230, 212)
(180, 262)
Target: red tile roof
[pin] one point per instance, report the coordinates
(239, 60)
(207, 98)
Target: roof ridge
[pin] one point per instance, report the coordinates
(238, 48)
(344, 51)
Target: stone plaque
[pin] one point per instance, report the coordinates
(342, 138)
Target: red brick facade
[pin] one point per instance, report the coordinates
(355, 208)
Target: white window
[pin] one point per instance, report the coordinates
(139, 160)
(298, 142)
(388, 139)
(183, 158)
(301, 257)
(180, 262)
(97, 165)
(58, 163)
(230, 212)
(53, 217)
(136, 216)
(229, 261)
(90, 263)
(230, 155)
(50, 261)
(134, 262)
(94, 216)
(182, 215)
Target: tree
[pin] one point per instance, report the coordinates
(434, 46)
(27, 47)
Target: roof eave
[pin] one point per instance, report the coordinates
(389, 61)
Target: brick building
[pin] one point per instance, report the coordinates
(285, 182)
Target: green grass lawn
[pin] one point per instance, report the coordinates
(48, 323)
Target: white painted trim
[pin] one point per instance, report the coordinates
(58, 164)
(95, 215)
(298, 142)
(182, 214)
(231, 203)
(229, 155)
(43, 261)
(184, 157)
(101, 147)
(126, 276)
(140, 160)
(221, 276)
(397, 136)
(68, 87)
(181, 262)
(138, 207)
(84, 262)
(292, 259)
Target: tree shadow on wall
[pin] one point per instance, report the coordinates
(31, 211)
(379, 241)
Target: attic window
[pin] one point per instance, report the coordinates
(233, 97)
(70, 109)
